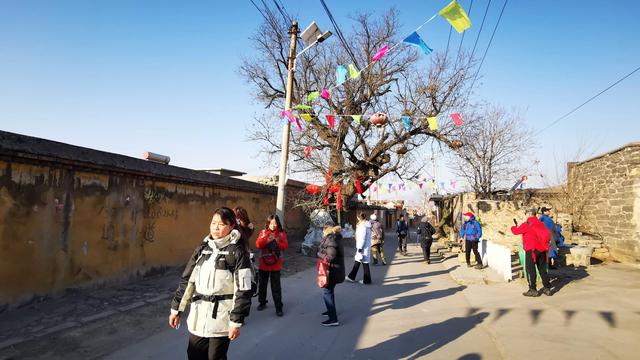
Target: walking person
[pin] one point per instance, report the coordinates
(331, 249)
(363, 250)
(271, 242)
(217, 284)
(402, 229)
(425, 234)
(535, 241)
(470, 233)
(377, 240)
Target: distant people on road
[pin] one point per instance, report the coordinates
(377, 240)
(535, 241)
(363, 250)
(555, 239)
(470, 233)
(402, 229)
(272, 241)
(217, 284)
(425, 234)
(331, 248)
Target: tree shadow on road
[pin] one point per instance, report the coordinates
(407, 301)
(424, 340)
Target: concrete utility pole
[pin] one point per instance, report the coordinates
(286, 129)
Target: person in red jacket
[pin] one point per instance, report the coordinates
(535, 241)
(271, 242)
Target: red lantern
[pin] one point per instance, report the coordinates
(378, 119)
(314, 189)
(334, 188)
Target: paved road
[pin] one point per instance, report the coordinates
(410, 311)
(414, 310)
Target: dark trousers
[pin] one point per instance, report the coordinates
(367, 272)
(330, 301)
(402, 243)
(472, 245)
(377, 253)
(426, 248)
(214, 348)
(276, 289)
(541, 263)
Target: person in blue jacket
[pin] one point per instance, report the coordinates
(554, 241)
(470, 233)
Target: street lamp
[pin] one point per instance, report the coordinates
(311, 36)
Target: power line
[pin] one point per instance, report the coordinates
(339, 32)
(586, 102)
(490, 42)
(481, 26)
(464, 33)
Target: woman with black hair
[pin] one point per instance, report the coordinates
(271, 241)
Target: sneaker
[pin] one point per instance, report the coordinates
(479, 266)
(546, 291)
(384, 263)
(361, 282)
(262, 307)
(469, 265)
(531, 293)
(279, 313)
(428, 262)
(328, 323)
(349, 279)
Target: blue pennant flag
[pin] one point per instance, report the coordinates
(341, 74)
(407, 122)
(415, 40)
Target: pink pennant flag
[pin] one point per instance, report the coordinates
(307, 151)
(288, 115)
(298, 123)
(331, 120)
(457, 119)
(420, 184)
(325, 94)
(380, 53)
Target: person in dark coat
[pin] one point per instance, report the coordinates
(331, 248)
(425, 235)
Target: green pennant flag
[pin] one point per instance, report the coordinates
(353, 72)
(356, 118)
(312, 96)
(302, 107)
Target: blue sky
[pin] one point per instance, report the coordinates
(129, 76)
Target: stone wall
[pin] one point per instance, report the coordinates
(605, 194)
(71, 216)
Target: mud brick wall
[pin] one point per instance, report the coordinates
(605, 195)
(71, 216)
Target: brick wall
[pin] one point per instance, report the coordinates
(605, 195)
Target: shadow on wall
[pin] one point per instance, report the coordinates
(424, 340)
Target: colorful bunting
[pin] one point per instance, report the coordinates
(433, 123)
(456, 16)
(341, 74)
(421, 185)
(288, 115)
(325, 94)
(407, 122)
(380, 53)
(331, 120)
(359, 186)
(307, 151)
(298, 123)
(415, 40)
(306, 117)
(457, 119)
(312, 96)
(302, 107)
(356, 118)
(353, 72)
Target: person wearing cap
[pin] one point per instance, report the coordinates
(535, 241)
(377, 240)
(470, 233)
(548, 222)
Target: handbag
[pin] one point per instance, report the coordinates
(323, 272)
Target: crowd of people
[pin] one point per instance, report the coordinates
(221, 275)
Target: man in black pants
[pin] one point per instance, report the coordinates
(425, 235)
(402, 229)
(470, 233)
(535, 241)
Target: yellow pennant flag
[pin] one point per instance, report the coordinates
(433, 122)
(353, 72)
(456, 16)
(356, 118)
(307, 117)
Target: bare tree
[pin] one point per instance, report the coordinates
(398, 84)
(495, 145)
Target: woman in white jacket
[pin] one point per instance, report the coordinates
(363, 250)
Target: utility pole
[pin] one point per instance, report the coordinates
(286, 128)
